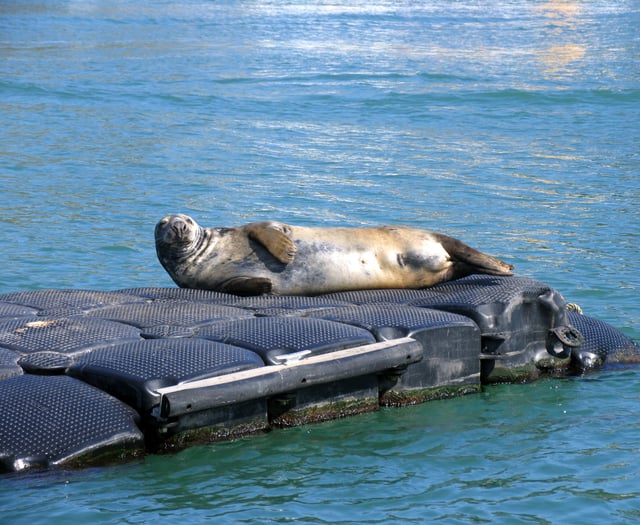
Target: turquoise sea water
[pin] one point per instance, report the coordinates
(514, 126)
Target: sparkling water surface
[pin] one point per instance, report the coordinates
(514, 126)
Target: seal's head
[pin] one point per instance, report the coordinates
(176, 230)
(177, 239)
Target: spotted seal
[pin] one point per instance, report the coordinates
(275, 258)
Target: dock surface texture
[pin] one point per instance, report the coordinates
(92, 377)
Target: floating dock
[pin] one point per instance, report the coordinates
(92, 377)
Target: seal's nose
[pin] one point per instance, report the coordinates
(179, 226)
(175, 229)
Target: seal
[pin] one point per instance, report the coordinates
(275, 258)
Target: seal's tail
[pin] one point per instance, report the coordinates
(468, 260)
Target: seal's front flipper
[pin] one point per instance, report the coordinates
(246, 286)
(468, 260)
(275, 237)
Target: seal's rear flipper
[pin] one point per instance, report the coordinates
(246, 286)
(468, 260)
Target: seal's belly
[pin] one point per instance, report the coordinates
(320, 267)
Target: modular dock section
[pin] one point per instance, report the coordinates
(90, 377)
